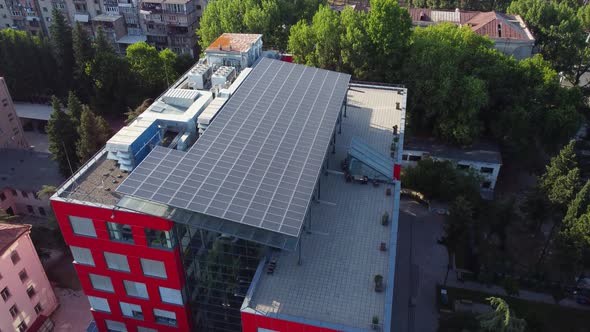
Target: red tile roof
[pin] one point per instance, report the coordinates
(10, 233)
(234, 42)
(491, 24)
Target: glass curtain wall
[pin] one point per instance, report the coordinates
(219, 269)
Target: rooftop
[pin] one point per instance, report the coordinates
(27, 170)
(482, 23)
(340, 250)
(97, 182)
(10, 233)
(33, 111)
(234, 42)
(258, 162)
(486, 152)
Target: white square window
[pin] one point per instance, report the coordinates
(98, 303)
(170, 295)
(131, 310)
(153, 268)
(165, 317)
(115, 326)
(82, 226)
(116, 261)
(145, 329)
(101, 282)
(136, 289)
(82, 255)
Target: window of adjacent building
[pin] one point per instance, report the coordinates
(414, 158)
(120, 232)
(24, 193)
(159, 239)
(5, 293)
(131, 310)
(113, 326)
(38, 308)
(165, 317)
(30, 209)
(116, 262)
(486, 185)
(45, 9)
(169, 295)
(23, 276)
(13, 311)
(153, 268)
(145, 329)
(14, 257)
(42, 211)
(98, 303)
(14, 193)
(31, 291)
(199, 7)
(82, 255)
(101, 282)
(136, 289)
(2, 197)
(462, 166)
(22, 327)
(82, 226)
(404, 157)
(486, 170)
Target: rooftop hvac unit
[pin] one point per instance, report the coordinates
(180, 97)
(223, 75)
(199, 76)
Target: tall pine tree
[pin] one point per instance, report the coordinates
(61, 38)
(74, 108)
(94, 131)
(83, 53)
(62, 135)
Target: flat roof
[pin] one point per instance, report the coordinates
(233, 42)
(97, 183)
(33, 111)
(28, 170)
(483, 151)
(258, 161)
(340, 254)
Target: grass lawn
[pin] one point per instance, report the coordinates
(540, 317)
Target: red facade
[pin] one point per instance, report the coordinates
(251, 323)
(133, 252)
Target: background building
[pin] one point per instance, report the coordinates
(483, 158)
(509, 32)
(11, 131)
(27, 299)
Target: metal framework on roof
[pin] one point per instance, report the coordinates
(258, 162)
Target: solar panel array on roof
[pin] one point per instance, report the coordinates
(259, 160)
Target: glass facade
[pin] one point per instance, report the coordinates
(219, 269)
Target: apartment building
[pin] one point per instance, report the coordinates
(11, 131)
(174, 230)
(27, 297)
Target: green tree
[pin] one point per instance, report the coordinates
(501, 319)
(389, 28)
(327, 31)
(302, 43)
(146, 64)
(459, 225)
(133, 114)
(61, 38)
(561, 179)
(168, 63)
(46, 191)
(74, 108)
(94, 132)
(83, 53)
(354, 43)
(61, 132)
(111, 78)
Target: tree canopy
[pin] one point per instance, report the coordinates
(61, 132)
(501, 319)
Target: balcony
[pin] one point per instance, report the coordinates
(148, 8)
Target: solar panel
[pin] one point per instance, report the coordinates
(259, 160)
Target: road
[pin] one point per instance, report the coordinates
(421, 263)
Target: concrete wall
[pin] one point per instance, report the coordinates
(519, 49)
(18, 289)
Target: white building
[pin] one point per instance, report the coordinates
(238, 50)
(483, 158)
